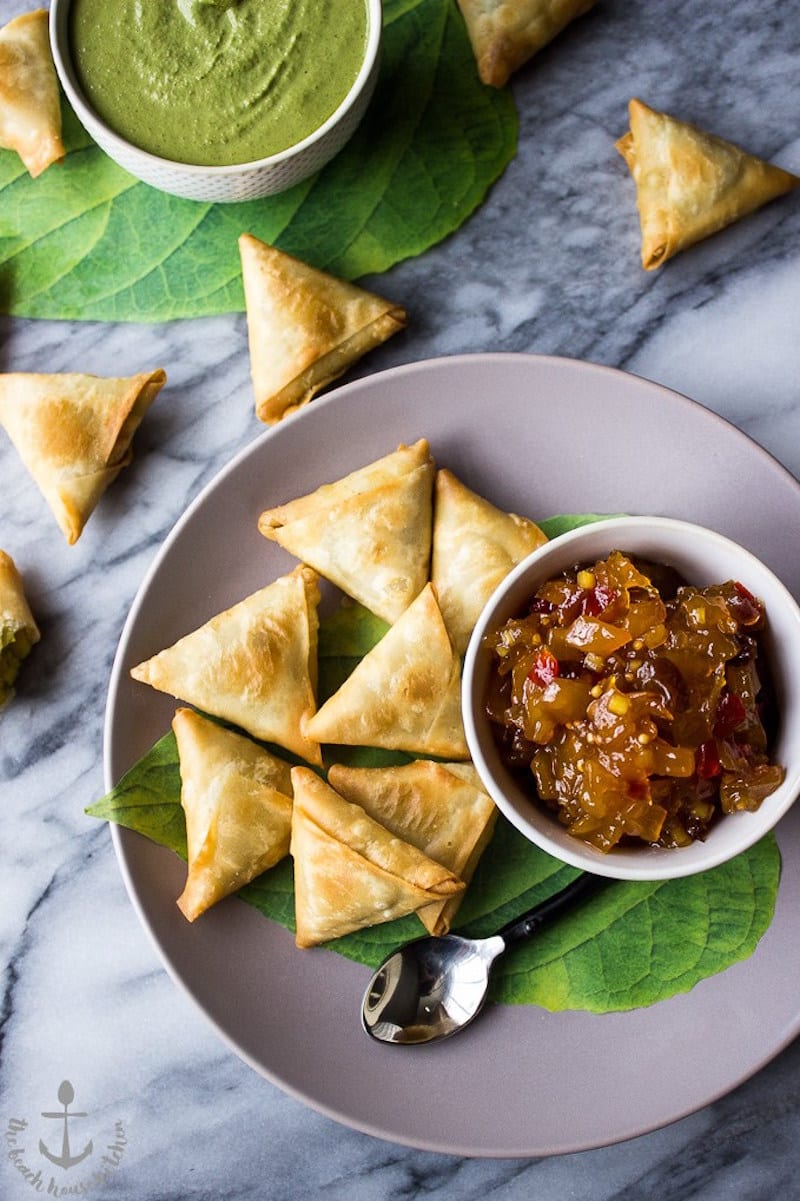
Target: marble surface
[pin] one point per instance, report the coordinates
(549, 264)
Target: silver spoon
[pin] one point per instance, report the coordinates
(433, 987)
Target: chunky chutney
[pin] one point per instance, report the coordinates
(216, 82)
(636, 702)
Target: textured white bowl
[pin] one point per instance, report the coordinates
(243, 181)
(702, 557)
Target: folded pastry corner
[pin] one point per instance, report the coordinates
(690, 184)
(440, 808)
(369, 532)
(254, 665)
(74, 433)
(30, 108)
(237, 799)
(475, 545)
(405, 694)
(304, 326)
(506, 33)
(18, 629)
(349, 871)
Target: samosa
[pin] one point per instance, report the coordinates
(349, 871)
(440, 808)
(475, 545)
(237, 798)
(690, 184)
(368, 532)
(304, 326)
(74, 432)
(405, 694)
(30, 107)
(254, 665)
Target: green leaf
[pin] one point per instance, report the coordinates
(564, 522)
(350, 631)
(86, 241)
(148, 798)
(635, 944)
(639, 943)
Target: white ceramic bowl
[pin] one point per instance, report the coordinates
(702, 557)
(244, 181)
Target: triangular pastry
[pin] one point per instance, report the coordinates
(689, 183)
(73, 432)
(506, 33)
(369, 533)
(405, 694)
(474, 546)
(254, 665)
(304, 327)
(349, 871)
(30, 109)
(440, 808)
(237, 798)
(18, 629)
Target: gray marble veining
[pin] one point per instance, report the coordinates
(548, 264)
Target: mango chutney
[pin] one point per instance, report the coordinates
(637, 704)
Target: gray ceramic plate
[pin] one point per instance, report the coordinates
(539, 436)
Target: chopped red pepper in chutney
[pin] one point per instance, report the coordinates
(640, 704)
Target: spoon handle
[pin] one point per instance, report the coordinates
(579, 889)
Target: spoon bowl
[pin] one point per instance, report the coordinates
(430, 988)
(434, 987)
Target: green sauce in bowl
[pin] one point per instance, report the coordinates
(216, 82)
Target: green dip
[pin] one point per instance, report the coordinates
(216, 82)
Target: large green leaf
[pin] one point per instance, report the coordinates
(86, 241)
(637, 943)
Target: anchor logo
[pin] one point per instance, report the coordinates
(66, 1095)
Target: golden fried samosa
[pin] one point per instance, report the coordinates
(74, 432)
(440, 808)
(30, 109)
(349, 871)
(506, 33)
(404, 695)
(18, 629)
(254, 665)
(475, 545)
(689, 183)
(369, 532)
(304, 326)
(237, 798)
